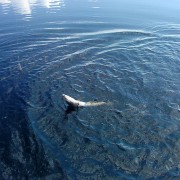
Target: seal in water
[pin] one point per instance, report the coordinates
(75, 103)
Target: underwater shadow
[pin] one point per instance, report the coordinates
(69, 110)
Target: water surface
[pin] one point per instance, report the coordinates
(122, 52)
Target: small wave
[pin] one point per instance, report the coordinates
(112, 31)
(76, 22)
(53, 28)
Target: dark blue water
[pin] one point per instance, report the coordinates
(126, 53)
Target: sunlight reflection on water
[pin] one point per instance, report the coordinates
(25, 7)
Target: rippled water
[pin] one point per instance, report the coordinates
(121, 52)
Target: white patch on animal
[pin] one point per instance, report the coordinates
(75, 103)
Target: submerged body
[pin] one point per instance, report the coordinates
(75, 103)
